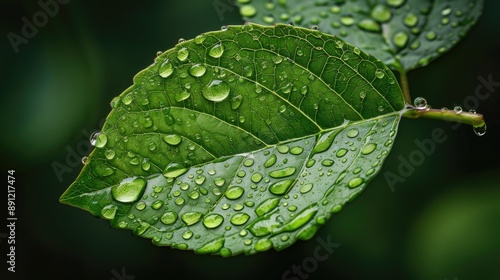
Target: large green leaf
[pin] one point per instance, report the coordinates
(241, 140)
(404, 34)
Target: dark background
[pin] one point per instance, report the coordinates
(442, 222)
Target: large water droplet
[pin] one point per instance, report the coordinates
(301, 219)
(457, 109)
(197, 70)
(98, 139)
(352, 133)
(236, 102)
(420, 103)
(270, 161)
(281, 173)
(216, 51)
(166, 69)
(174, 170)
(400, 39)
(369, 25)
(216, 91)
(347, 20)
(248, 10)
(306, 188)
(211, 247)
(281, 187)
(368, 148)
(480, 130)
(169, 218)
(355, 182)
(379, 74)
(172, 139)
(431, 35)
(263, 245)
(341, 152)
(381, 13)
(267, 205)
(109, 211)
(182, 54)
(212, 220)
(234, 192)
(191, 218)
(395, 3)
(411, 20)
(239, 219)
(129, 190)
(110, 154)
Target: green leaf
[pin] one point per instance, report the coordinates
(404, 34)
(241, 140)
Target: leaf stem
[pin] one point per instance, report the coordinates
(473, 119)
(405, 87)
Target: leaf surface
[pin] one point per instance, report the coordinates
(241, 140)
(404, 34)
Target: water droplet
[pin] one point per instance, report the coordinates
(197, 70)
(270, 161)
(327, 162)
(480, 130)
(109, 212)
(457, 109)
(400, 39)
(281, 187)
(381, 13)
(277, 59)
(353, 133)
(129, 190)
(187, 234)
(411, 20)
(145, 164)
(395, 3)
(142, 228)
(140, 206)
(301, 219)
(182, 54)
(213, 220)
(191, 218)
(181, 40)
(109, 154)
(166, 69)
(127, 99)
(369, 25)
(341, 152)
(446, 11)
(219, 182)
(194, 195)
(306, 188)
(296, 150)
(98, 139)
(347, 20)
(420, 103)
(248, 10)
(115, 102)
(157, 204)
(236, 102)
(169, 218)
(199, 39)
(234, 192)
(248, 162)
(256, 177)
(281, 173)
(172, 139)
(211, 247)
(216, 91)
(216, 51)
(263, 245)
(379, 74)
(240, 219)
(431, 35)
(174, 170)
(355, 182)
(368, 148)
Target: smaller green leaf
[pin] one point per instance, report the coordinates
(404, 34)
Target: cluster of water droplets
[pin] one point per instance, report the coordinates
(421, 104)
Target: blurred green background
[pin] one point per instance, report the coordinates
(442, 222)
